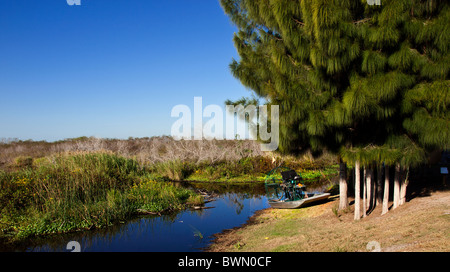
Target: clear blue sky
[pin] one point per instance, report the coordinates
(110, 68)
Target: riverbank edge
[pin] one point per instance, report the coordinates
(83, 191)
(218, 237)
(255, 219)
(308, 175)
(244, 179)
(419, 225)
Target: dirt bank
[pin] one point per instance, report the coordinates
(422, 224)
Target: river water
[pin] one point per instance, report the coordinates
(185, 231)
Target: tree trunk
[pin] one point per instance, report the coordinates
(357, 191)
(343, 199)
(369, 175)
(386, 190)
(364, 192)
(396, 186)
(403, 187)
(379, 186)
(372, 189)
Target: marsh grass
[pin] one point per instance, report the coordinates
(89, 183)
(167, 159)
(81, 190)
(173, 170)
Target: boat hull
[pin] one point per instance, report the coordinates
(297, 203)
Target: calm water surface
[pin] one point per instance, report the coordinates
(186, 231)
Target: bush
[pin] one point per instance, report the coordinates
(173, 170)
(23, 162)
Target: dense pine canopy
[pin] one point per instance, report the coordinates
(370, 82)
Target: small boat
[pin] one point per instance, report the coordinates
(284, 190)
(295, 204)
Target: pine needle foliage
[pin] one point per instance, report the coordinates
(368, 82)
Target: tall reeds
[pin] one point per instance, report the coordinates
(81, 190)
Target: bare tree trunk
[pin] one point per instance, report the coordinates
(371, 190)
(397, 186)
(369, 187)
(374, 189)
(357, 191)
(386, 190)
(364, 191)
(379, 185)
(343, 199)
(403, 187)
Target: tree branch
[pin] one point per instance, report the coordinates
(362, 21)
(298, 22)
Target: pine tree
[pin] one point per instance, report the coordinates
(386, 191)
(397, 187)
(343, 201)
(357, 191)
(367, 82)
(379, 186)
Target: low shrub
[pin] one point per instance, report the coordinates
(23, 162)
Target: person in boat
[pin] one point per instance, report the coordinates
(303, 187)
(292, 177)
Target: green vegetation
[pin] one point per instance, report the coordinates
(369, 83)
(167, 159)
(80, 184)
(77, 191)
(245, 170)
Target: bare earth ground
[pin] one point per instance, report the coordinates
(422, 224)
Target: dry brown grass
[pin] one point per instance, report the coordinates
(145, 150)
(423, 224)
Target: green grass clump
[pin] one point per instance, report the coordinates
(251, 169)
(80, 191)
